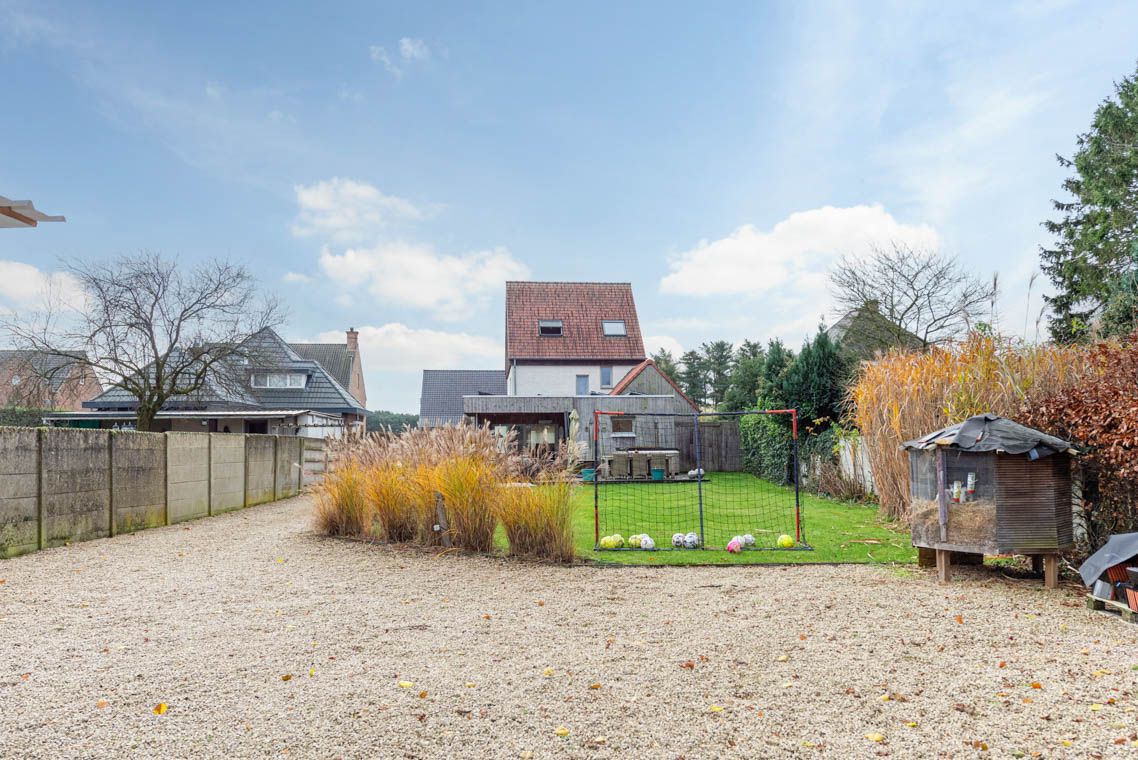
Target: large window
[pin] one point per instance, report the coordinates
(550, 328)
(279, 380)
(614, 328)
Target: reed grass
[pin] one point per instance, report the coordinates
(342, 504)
(538, 520)
(904, 395)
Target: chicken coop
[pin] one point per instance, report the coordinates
(989, 485)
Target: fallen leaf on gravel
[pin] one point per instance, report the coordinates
(160, 708)
(422, 695)
(102, 703)
(715, 708)
(1100, 673)
(526, 755)
(977, 744)
(787, 685)
(1002, 664)
(596, 685)
(548, 672)
(689, 665)
(959, 619)
(601, 740)
(966, 709)
(470, 684)
(286, 677)
(1096, 707)
(875, 737)
(1036, 685)
(783, 658)
(1067, 743)
(486, 617)
(311, 672)
(912, 724)
(1027, 700)
(540, 602)
(702, 657)
(25, 676)
(406, 684)
(562, 731)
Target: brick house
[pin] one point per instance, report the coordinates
(35, 380)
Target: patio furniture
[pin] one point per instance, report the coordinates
(619, 465)
(639, 465)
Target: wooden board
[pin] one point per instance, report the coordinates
(1129, 615)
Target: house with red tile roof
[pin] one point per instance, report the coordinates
(570, 338)
(572, 349)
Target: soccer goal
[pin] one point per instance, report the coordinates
(678, 481)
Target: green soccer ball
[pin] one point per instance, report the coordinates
(785, 541)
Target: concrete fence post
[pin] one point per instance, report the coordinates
(42, 539)
(166, 478)
(111, 482)
(208, 474)
(276, 467)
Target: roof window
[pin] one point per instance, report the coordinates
(613, 328)
(551, 328)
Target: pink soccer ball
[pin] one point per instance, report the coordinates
(734, 546)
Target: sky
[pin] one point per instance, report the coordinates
(389, 167)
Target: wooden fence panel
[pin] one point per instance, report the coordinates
(719, 444)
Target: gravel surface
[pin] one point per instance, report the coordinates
(210, 617)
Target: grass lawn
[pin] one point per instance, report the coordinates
(837, 531)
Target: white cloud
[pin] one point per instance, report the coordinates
(349, 94)
(345, 210)
(412, 274)
(653, 343)
(24, 286)
(379, 55)
(413, 49)
(395, 347)
(794, 256)
(296, 278)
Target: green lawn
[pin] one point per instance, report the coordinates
(734, 503)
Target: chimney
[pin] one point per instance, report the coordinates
(353, 339)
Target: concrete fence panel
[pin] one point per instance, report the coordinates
(312, 466)
(138, 481)
(260, 468)
(19, 491)
(187, 476)
(226, 472)
(75, 485)
(288, 466)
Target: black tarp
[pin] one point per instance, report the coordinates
(988, 432)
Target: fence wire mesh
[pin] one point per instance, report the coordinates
(664, 492)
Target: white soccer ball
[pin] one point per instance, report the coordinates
(738, 540)
(691, 541)
(647, 543)
(678, 540)
(748, 540)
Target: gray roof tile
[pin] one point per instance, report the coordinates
(443, 389)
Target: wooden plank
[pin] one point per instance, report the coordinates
(943, 566)
(1109, 605)
(1051, 571)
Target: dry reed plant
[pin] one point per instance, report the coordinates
(342, 504)
(538, 520)
(903, 395)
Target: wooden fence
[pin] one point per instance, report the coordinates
(719, 444)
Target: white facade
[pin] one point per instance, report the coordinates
(561, 379)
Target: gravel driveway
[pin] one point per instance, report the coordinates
(265, 640)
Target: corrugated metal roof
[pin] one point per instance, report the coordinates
(443, 389)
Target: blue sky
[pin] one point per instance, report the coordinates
(389, 167)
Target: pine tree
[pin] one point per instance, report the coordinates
(815, 383)
(718, 362)
(666, 362)
(1096, 235)
(779, 357)
(693, 377)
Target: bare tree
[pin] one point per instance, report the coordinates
(158, 331)
(921, 293)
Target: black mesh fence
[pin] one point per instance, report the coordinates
(663, 493)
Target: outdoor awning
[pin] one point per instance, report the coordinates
(23, 214)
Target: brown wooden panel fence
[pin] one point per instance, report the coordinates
(719, 444)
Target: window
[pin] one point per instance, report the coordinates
(582, 385)
(279, 380)
(606, 377)
(622, 426)
(550, 328)
(613, 328)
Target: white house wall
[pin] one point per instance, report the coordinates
(560, 379)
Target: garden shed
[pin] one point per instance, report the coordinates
(989, 485)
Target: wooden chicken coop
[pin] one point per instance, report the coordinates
(989, 485)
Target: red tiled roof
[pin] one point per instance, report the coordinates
(626, 381)
(580, 306)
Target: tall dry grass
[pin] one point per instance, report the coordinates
(400, 476)
(538, 520)
(904, 395)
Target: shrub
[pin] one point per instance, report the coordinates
(392, 501)
(471, 494)
(767, 446)
(342, 504)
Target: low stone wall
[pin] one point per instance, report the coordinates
(60, 485)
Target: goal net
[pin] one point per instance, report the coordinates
(679, 480)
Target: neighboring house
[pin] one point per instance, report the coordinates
(570, 338)
(284, 394)
(341, 360)
(443, 389)
(36, 380)
(865, 332)
(574, 348)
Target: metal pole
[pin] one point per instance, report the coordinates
(699, 476)
(799, 533)
(596, 482)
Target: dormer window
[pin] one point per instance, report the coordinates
(549, 328)
(613, 328)
(279, 380)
